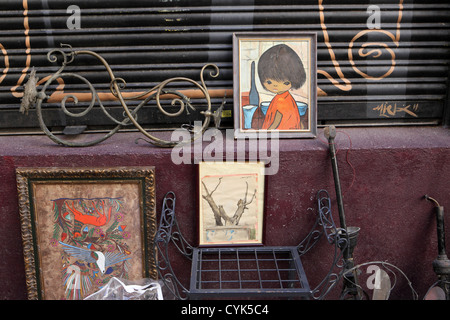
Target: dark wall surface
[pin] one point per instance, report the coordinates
(385, 172)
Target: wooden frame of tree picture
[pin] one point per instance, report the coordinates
(231, 203)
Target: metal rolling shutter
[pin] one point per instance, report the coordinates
(146, 42)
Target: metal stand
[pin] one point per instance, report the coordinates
(243, 272)
(350, 287)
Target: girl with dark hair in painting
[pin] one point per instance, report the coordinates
(280, 69)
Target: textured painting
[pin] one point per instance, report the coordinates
(87, 230)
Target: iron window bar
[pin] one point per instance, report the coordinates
(249, 271)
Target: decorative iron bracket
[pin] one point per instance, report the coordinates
(169, 232)
(335, 236)
(35, 98)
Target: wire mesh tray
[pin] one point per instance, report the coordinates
(247, 272)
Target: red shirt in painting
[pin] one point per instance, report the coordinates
(286, 105)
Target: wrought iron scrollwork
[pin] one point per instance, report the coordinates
(336, 236)
(34, 97)
(169, 232)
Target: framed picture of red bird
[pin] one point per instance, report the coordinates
(83, 226)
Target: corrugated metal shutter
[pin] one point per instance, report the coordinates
(146, 42)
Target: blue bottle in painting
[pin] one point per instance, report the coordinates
(253, 94)
(250, 109)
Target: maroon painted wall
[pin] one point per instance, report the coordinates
(394, 168)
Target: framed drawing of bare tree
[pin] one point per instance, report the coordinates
(231, 198)
(82, 226)
(275, 85)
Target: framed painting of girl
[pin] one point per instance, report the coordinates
(275, 85)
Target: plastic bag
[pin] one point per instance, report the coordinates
(122, 289)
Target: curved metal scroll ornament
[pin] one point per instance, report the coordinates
(336, 236)
(31, 97)
(169, 232)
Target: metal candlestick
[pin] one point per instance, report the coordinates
(350, 287)
(34, 98)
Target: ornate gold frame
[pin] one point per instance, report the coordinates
(28, 177)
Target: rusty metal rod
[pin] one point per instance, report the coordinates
(441, 265)
(439, 225)
(108, 96)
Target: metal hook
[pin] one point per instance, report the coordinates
(427, 197)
